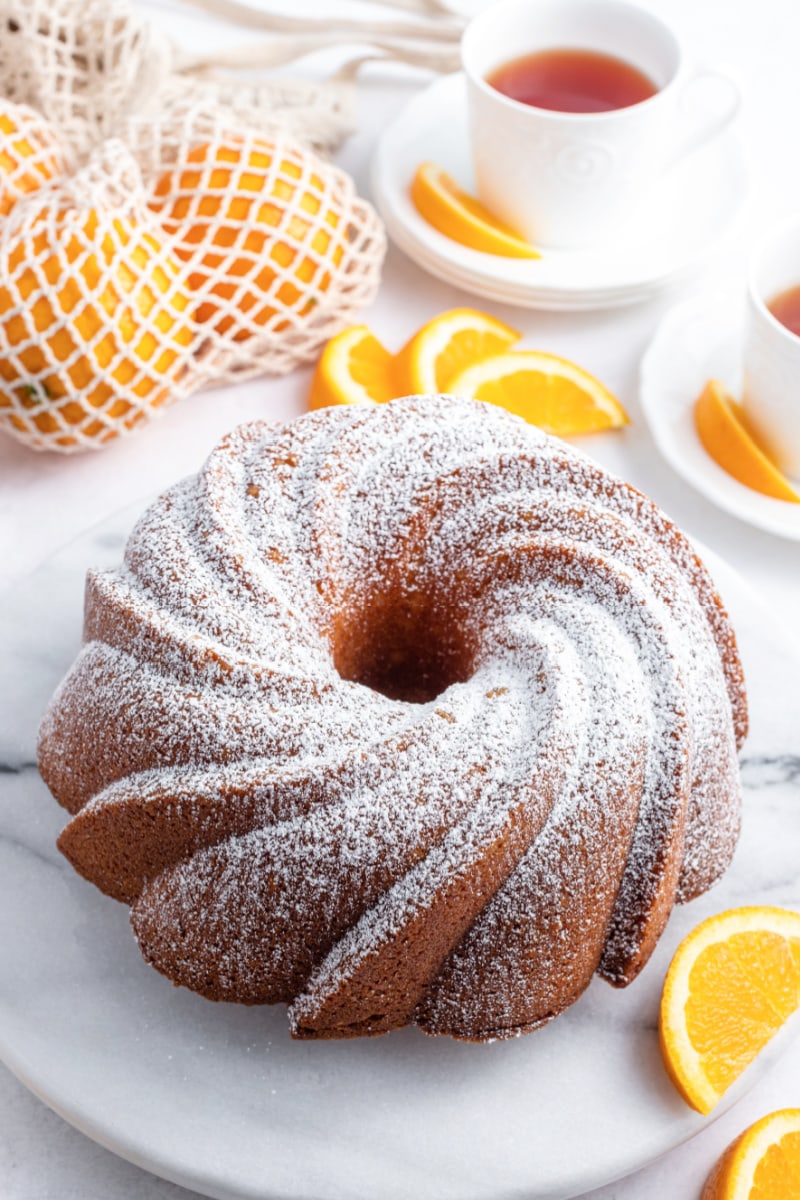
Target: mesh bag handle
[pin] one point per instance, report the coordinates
(88, 65)
(81, 63)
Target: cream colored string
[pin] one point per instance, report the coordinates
(271, 53)
(432, 7)
(447, 30)
(431, 43)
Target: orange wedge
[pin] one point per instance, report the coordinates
(445, 346)
(721, 427)
(734, 981)
(762, 1164)
(461, 217)
(354, 369)
(547, 391)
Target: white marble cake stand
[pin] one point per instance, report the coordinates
(219, 1099)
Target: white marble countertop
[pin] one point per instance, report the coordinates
(46, 500)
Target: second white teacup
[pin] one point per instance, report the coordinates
(771, 395)
(570, 180)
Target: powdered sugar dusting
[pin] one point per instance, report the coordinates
(400, 713)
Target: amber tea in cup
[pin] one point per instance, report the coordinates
(572, 81)
(785, 307)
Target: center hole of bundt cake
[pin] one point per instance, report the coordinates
(406, 648)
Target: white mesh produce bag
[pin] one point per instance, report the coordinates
(151, 248)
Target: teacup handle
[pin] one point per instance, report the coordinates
(714, 122)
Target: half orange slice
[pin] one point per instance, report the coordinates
(435, 355)
(354, 368)
(721, 427)
(548, 391)
(762, 1164)
(444, 205)
(734, 981)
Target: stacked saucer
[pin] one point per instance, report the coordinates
(696, 204)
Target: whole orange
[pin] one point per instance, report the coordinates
(258, 227)
(30, 153)
(95, 328)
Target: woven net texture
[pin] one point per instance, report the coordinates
(147, 254)
(88, 65)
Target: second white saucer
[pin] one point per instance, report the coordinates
(697, 205)
(697, 341)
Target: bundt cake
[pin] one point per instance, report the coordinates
(400, 714)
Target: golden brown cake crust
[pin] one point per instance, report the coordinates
(400, 714)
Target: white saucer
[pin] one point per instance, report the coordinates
(218, 1098)
(697, 341)
(696, 204)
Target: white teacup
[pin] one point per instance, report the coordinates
(772, 352)
(573, 179)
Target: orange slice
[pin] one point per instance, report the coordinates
(445, 346)
(762, 1164)
(734, 981)
(721, 427)
(547, 391)
(459, 216)
(354, 369)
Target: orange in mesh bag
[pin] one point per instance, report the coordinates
(30, 153)
(95, 326)
(281, 251)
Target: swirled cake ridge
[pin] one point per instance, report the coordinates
(400, 714)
